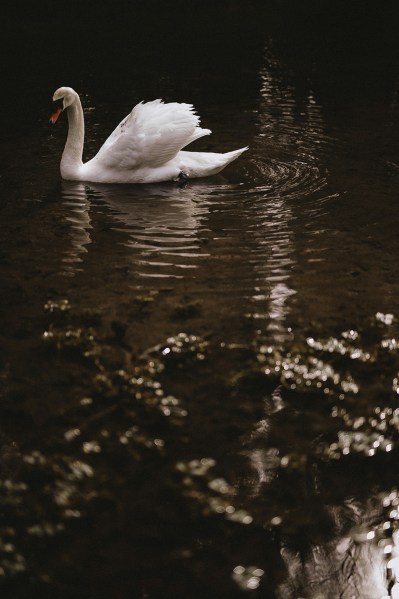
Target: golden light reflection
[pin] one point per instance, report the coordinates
(248, 578)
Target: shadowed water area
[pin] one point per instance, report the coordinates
(199, 382)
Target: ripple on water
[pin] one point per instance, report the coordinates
(289, 179)
(240, 232)
(162, 224)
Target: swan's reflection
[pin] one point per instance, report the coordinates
(161, 224)
(77, 205)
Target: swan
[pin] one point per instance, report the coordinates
(146, 147)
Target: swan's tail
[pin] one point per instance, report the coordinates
(230, 156)
(205, 164)
(222, 160)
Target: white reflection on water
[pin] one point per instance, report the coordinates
(273, 258)
(287, 166)
(358, 563)
(345, 570)
(77, 209)
(163, 224)
(359, 555)
(289, 156)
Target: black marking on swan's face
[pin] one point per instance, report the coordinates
(58, 104)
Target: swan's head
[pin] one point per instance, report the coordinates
(62, 98)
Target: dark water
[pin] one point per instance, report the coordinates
(199, 383)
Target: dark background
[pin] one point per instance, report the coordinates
(347, 49)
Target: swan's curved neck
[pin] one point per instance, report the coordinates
(72, 157)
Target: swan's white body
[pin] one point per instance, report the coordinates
(146, 147)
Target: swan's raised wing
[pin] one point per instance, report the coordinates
(150, 136)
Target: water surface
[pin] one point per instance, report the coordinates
(199, 382)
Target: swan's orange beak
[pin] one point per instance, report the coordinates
(55, 115)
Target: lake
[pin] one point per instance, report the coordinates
(199, 381)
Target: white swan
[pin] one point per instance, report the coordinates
(144, 148)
